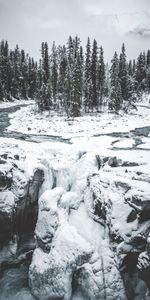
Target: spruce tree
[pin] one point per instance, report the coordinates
(62, 76)
(76, 92)
(115, 98)
(94, 84)
(54, 73)
(32, 78)
(101, 77)
(87, 77)
(23, 75)
(140, 74)
(123, 73)
(148, 71)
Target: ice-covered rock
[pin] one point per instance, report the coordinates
(7, 212)
(19, 192)
(48, 219)
(70, 200)
(100, 279)
(50, 274)
(140, 201)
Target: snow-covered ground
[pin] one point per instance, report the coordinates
(27, 120)
(15, 102)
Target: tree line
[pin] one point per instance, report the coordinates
(72, 79)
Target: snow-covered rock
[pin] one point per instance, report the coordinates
(7, 211)
(48, 217)
(50, 274)
(140, 201)
(70, 200)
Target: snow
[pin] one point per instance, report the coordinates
(72, 172)
(7, 202)
(125, 143)
(15, 102)
(27, 120)
(70, 200)
(91, 231)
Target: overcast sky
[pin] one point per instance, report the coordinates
(111, 22)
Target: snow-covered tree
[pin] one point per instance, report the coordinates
(101, 77)
(115, 98)
(94, 77)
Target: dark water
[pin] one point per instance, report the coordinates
(14, 285)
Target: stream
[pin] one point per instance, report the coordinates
(5, 122)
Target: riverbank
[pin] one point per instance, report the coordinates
(29, 121)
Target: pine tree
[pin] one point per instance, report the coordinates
(101, 77)
(23, 75)
(123, 73)
(44, 94)
(148, 71)
(87, 77)
(130, 68)
(62, 76)
(44, 97)
(45, 62)
(54, 73)
(76, 93)
(94, 90)
(140, 74)
(115, 98)
(17, 73)
(69, 73)
(32, 78)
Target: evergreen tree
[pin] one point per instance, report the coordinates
(23, 75)
(101, 77)
(17, 73)
(32, 78)
(115, 98)
(87, 77)
(123, 73)
(94, 83)
(62, 76)
(140, 74)
(76, 93)
(148, 71)
(69, 73)
(54, 72)
(130, 68)
(45, 62)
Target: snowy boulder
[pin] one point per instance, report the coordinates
(144, 268)
(7, 210)
(50, 274)
(5, 180)
(19, 192)
(100, 278)
(144, 257)
(96, 197)
(26, 192)
(70, 200)
(114, 162)
(140, 201)
(48, 219)
(35, 184)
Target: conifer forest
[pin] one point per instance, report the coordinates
(71, 79)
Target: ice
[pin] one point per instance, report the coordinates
(87, 227)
